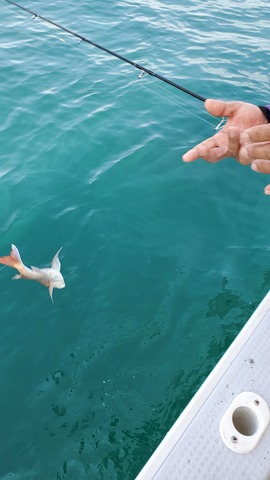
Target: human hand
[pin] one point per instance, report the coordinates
(226, 142)
(255, 149)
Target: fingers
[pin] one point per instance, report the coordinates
(256, 134)
(213, 154)
(215, 148)
(234, 141)
(256, 151)
(228, 141)
(212, 150)
(261, 166)
(208, 150)
(267, 190)
(191, 155)
(255, 143)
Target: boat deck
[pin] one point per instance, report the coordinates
(224, 431)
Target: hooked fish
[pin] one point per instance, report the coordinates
(49, 277)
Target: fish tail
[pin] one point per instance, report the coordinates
(13, 259)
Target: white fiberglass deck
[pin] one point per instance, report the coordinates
(193, 448)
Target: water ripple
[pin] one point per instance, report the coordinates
(156, 253)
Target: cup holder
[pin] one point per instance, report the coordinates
(244, 423)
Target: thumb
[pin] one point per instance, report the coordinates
(220, 108)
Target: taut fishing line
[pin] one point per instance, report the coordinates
(143, 70)
(152, 90)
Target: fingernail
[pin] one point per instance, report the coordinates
(254, 167)
(186, 157)
(267, 190)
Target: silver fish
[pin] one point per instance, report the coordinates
(49, 277)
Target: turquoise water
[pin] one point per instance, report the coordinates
(164, 261)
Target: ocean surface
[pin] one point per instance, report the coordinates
(164, 262)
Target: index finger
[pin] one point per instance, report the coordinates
(196, 152)
(260, 133)
(191, 155)
(212, 150)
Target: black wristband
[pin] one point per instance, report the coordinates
(265, 110)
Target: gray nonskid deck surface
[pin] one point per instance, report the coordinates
(199, 452)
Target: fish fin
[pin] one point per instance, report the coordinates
(15, 254)
(51, 291)
(56, 262)
(36, 269)
(16, 277)
(13, 260)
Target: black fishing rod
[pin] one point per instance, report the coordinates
(110, 52)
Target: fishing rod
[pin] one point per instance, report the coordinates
(110, 52)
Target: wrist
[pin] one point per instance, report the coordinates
(266, 111)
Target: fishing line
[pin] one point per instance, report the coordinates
(152, 90)
(110, 52)
(143, 70)
(181, 106)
